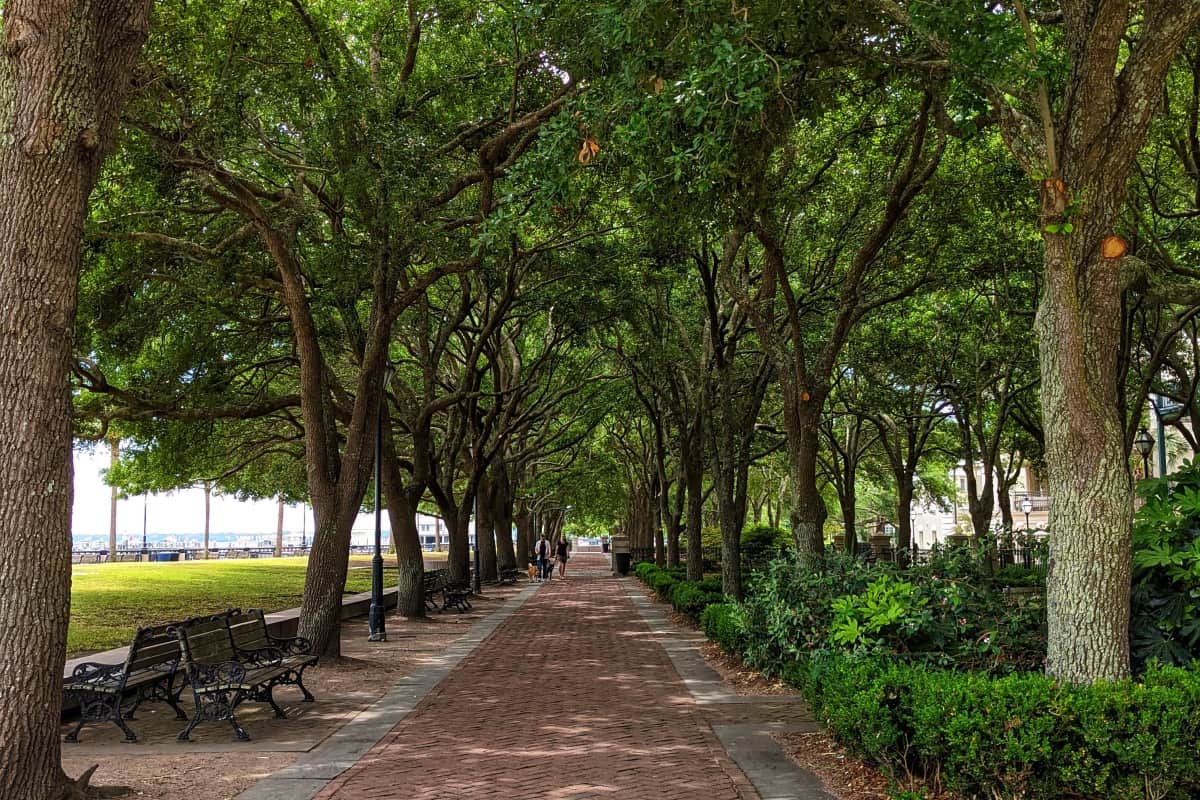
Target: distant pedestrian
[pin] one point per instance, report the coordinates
(542, 553)
(563, 553)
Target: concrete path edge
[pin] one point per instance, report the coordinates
(751, 746)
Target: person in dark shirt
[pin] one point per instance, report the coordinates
(541, 551)
(562, 553)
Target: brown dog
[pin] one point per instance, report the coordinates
(533, 572)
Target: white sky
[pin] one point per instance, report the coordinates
(174, 512)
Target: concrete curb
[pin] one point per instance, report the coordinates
(342, 749)
(750, 745)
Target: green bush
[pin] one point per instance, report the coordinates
(1021, 576)
(725, 624)
(688, 598)
(1014, 736)
(663, 584)
(761, 544)
(644, 570)
(711, 584)
(1165, 613)
(946, 613)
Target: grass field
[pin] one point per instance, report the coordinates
(110, 601)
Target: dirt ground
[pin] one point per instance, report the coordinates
(215, 766)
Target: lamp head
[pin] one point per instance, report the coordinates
(1144, 442)
(1026, 504)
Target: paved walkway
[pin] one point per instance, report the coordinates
(570, 697)
(577, 689)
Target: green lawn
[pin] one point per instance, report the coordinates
(110, 601)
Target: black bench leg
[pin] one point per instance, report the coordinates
(308, 696)
(215, 707)
(97, 708)
(267, 695)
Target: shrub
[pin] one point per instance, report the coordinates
(956, 619)
(725, 624)
(688, 598)
(711, 584)
(644, 570)
(1014, 736)
(761, 544)
(662, 583)
(1165, 613)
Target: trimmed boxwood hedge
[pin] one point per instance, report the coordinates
(688, 597)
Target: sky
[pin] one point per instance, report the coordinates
(174, 512)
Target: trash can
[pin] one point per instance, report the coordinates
(621, 557)
(604, 546)
(166, 556)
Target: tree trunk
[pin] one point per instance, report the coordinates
(525, 535)
(324, 581)
(848, 500)
(1005, 499)
(114, 456)
(502, 516)
(279, 530)
(485, 529)
(904, 498)
(808, 507)
(402, 504)
(208, 514)
(458, 559)
(63, 76)
(693, 470)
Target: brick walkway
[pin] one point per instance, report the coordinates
(569, 698)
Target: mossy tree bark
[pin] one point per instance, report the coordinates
(64, 72)
(1088, 148)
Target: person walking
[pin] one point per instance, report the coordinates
(562, 553)
(542, 553)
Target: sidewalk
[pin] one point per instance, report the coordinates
(570, 697)
(570, 690)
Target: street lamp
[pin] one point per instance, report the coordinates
(1144, 443)
(375, 621)
(1026, 506)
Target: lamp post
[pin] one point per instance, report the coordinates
(1026, 506)
(1144, 443)
(375, 618)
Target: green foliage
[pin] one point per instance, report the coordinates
(725, 624)
(1165, 613)
(761, 543)
(1017, 735)
(688, 597)
(945, 613)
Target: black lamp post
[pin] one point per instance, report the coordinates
(1026, 506)
(1144, 443)
(375, 618)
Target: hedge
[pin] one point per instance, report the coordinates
(1012, 736)
(688, 597)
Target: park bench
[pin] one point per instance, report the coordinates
(454, 594)
(510, 575)
(231, 658)
(149, 670)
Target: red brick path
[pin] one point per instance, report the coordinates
(569, 698)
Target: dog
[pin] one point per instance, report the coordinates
(533, 572)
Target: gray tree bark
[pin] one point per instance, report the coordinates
(65, 70)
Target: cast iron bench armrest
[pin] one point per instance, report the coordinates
(210, 676)
(292, 645)
(261, 657)
(99, 677)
